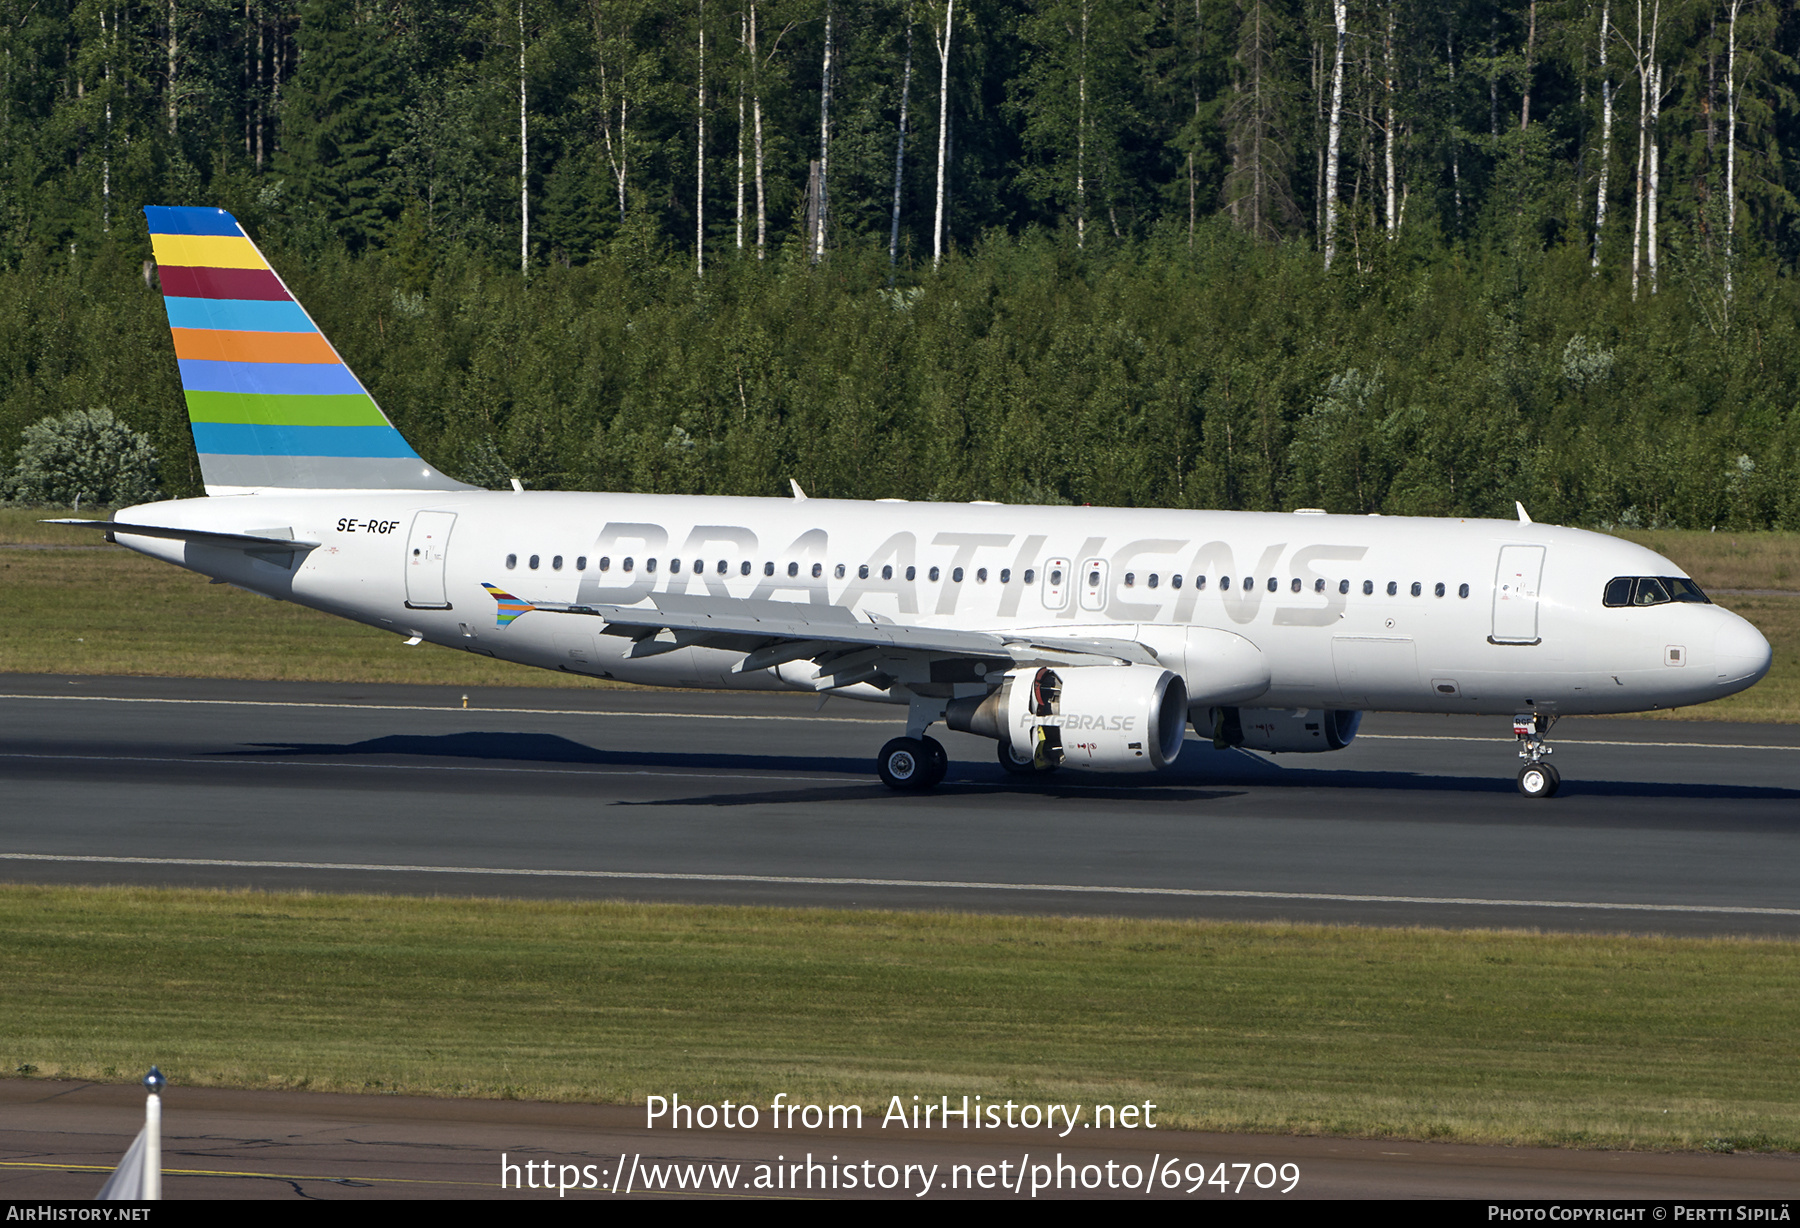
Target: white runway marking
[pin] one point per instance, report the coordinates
(937, 884)
(275, 703)
(853, 720)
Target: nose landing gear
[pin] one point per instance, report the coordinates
(1537, 778)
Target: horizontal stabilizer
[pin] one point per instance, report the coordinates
(199, 537)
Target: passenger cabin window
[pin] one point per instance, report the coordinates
(650, 565)
(512, 561)
(1296, 584)
(1368, 588)
(1031, 574)
(981, 575)
(1462, 590)
(793, 570)
(674, 567)
(724, 567)
(887, 573)
(768, 569)
(744, 568)
(1439, 590)
(1130, 579)
(912, 573)
(627, 563)
(1006, 576)
(1200, 583)
(1393, 589)
(1055, 576)
(932, 574)
(556, 563)
(838, 572)
(1224, 582)
(956, 574)
(533, 564)
(1418, 590)
(862, 573)
(581, 562)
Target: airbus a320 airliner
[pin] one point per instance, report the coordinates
(1075, 637)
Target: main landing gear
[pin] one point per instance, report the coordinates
(912, 764)
(1537, 778)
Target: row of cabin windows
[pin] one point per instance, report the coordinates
(1274, 584)
(1153, 580)
(768, 569)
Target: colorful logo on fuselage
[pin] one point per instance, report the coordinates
(510, 607)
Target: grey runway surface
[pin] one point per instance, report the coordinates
(1667, 827)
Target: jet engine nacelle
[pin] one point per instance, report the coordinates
(1102, 718)
(1283, 729)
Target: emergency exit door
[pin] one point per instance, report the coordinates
(427, 546)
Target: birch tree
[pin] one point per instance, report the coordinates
(822, 203)
(941, 31)
(900, 143)
(1334, 129)
(700, 155)
(1606, 127)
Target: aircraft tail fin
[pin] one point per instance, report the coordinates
(272, 404)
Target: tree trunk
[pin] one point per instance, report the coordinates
(172, 78)
(1730, 145)
(743, 44)
(106, 154)
(943, 49)
(1606, 127)
(700, 158)
(824, 198)
(616, 154)
(524, 160)
(1081, 131)
(1637, 209)
(1393, 211)
(1530, 46)
(900, 145)
(1655, 161)
(762, 213)
(1341, 17)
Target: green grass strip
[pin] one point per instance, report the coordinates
(1482, 1036)
(265, 409)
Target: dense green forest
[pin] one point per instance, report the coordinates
(1366, 255)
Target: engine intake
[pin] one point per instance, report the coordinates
(1102, 718)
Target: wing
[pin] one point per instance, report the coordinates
(847, 649)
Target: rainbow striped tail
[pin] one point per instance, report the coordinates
(272, 405)
(508, 606)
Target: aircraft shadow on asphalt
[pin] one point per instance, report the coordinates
(1200, 774)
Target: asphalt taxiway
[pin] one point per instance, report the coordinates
(1661, 826)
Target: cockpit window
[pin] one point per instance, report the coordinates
(1622, 591)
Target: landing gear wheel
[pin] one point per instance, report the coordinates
(1539, 780)
(908, 764)
(937, 760)
(1019, 767)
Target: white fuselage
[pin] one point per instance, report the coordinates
(1531, 633)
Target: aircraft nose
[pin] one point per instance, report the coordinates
(1740, 653)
